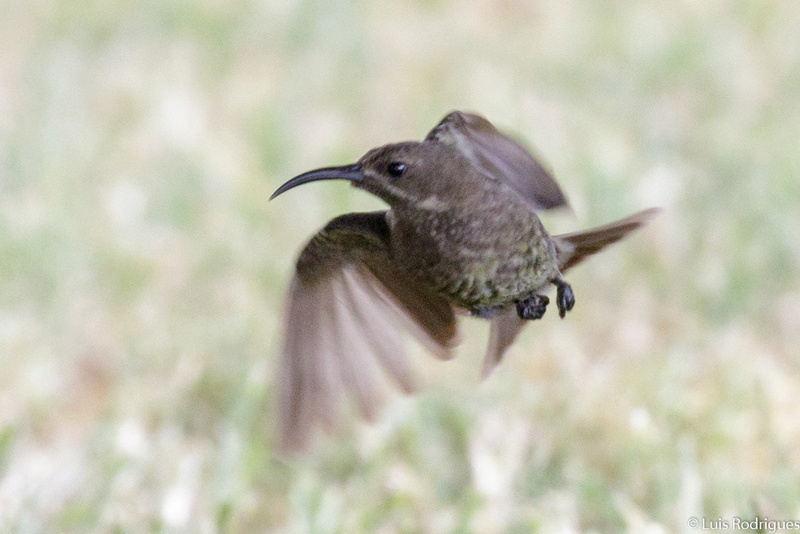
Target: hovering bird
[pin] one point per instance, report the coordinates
(461, 235)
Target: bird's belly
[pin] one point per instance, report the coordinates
(488, 281)
(478, 269)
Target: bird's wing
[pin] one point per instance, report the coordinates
(499, 158)
(346, 311)
(503, 331)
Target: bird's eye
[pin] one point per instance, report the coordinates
(396, 169)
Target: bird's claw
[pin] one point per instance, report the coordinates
(565, 298)
(532, 307)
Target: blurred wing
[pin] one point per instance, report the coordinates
(347, 308)
(502, 333)
(499, 158)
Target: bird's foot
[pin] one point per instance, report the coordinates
(565, 298)
(532, 307)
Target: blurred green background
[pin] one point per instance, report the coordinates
(142, 268)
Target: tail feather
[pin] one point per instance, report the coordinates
(571, 249)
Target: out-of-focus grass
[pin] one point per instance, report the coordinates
(142, 269)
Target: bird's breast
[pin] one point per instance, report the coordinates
(475, 258)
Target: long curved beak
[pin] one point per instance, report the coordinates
(351, 173)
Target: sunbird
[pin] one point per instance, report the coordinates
(461, 236)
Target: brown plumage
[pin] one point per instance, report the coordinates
(461, 234)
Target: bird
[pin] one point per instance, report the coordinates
(461, 236)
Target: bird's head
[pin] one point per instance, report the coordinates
(410, 172)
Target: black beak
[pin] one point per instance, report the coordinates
(351, 173)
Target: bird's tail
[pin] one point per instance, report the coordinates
(571, 249)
